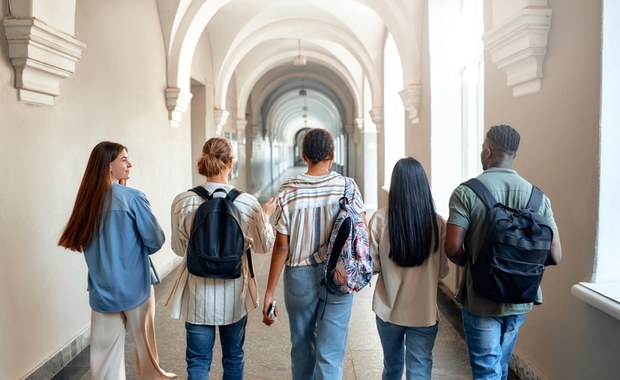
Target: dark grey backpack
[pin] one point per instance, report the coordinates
(216, 243)
(511, 262)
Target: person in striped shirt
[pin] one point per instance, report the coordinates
(307, 206)
(207, 303)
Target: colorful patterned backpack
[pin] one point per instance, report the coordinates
(349, 264)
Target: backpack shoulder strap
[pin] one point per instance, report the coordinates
(202, 192)
(535, 199)
(482, 192)
(233, 194)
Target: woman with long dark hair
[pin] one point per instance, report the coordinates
(406, 242)
(115, 229)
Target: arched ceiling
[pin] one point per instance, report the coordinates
(254, 42)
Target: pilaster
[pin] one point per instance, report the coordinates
(41, 57)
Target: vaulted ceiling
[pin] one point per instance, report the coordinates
(252, 44)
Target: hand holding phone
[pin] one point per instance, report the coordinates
(270, 313)
(272, 310)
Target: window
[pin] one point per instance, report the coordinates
(604, 290)
(393, 110)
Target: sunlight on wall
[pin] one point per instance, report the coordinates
(456, 99)
(394, 112)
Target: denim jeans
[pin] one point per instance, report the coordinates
(199, 352)
(319, 324)
(407, 346)
(490, 342)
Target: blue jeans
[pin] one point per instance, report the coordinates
(319, 324)
(199, 352)
(418, 342)
(490, 342)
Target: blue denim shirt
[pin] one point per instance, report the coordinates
(117, 258)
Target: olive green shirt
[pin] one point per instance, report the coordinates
(469, 212)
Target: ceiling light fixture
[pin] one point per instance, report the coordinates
(299, 60)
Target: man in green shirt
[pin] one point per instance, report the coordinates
(491, 328)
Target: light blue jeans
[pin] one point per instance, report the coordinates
(407, 346)
(199, 351)
(319, 324)
(490, 342)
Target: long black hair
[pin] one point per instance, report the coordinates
(412, 222)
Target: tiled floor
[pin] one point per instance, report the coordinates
(267, 348)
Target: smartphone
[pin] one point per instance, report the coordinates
(272, 310)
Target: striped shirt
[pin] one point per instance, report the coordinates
(306, 209)
(210, 301)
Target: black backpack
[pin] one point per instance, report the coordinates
(511, 262)
(216, 241)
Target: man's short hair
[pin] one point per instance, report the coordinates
(504, 138)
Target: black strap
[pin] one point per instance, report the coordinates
(535, 199)
(202, 192)
(485, 195)
(232, 194)
(250, 264)
(482, 192)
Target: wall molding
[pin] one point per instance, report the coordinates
(41, 56)
(62, 358)
(518, 46)
(411, 97)
(177, 102)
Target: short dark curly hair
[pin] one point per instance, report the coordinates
(318, 145)
(503, 139)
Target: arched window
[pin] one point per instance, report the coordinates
(394, 112)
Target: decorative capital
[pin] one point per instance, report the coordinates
(359, 123)
(241, 127)
(177, 101)
(376, 115)
(255, 130)
(41, 56)
(220, 117)
(411, 97)
(518, 46)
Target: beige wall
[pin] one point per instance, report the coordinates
(564, 338)
(116, 93)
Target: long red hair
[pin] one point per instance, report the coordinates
(88, 207)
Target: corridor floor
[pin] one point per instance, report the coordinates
(267, 348)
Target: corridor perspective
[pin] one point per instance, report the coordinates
(387, 78)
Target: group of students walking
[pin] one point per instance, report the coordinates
(410, 244)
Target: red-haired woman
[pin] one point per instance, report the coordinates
(115, 229)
